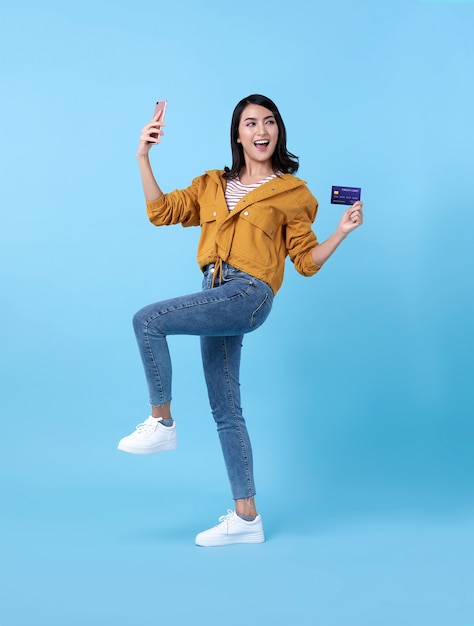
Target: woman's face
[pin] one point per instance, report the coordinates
(258, 133)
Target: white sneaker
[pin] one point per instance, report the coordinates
(232, 529)
(150, 437)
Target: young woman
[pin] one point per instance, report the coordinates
(251, 216)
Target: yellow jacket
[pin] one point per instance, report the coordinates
(265, 226)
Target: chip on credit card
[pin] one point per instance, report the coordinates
(345, 195)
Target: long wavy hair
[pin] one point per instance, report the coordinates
(282, 160)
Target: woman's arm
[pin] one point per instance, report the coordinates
(351, 219)
(150, 135)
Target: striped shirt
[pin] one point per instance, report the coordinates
(234, 190)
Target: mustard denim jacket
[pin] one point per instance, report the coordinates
(265, 226)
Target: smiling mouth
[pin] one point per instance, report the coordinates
(261, 144)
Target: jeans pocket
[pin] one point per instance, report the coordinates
(261, 313)
(232, 273)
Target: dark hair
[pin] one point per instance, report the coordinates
(282, 160)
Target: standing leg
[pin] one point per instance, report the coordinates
(221, 361)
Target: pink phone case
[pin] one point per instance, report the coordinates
(161, 106)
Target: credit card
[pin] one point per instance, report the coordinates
(345, 195)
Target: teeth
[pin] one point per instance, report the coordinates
(262, 143)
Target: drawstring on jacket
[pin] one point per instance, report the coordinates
(217, 270)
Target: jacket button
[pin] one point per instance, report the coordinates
(246, 212)
(214, 214)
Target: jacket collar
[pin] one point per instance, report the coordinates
(281, 183)
(275, 186)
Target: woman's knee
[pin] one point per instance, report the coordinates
(140, 320)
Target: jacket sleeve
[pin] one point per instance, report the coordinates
(178, 207)
(300, 238)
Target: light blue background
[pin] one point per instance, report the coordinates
(358, 388)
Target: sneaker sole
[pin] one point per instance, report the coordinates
(227, 541)
(162, 447)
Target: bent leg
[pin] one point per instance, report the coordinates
(155, 356)
(235, 307)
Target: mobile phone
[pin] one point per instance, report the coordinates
(160, 106)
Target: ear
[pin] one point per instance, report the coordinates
(238, 140)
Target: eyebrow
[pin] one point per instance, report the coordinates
(267, 117)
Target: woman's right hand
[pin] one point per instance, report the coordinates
(150, 135)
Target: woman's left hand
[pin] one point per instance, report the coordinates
(352, 218)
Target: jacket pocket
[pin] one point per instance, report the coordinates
(265, 220)
(257, 233)
(208, 214)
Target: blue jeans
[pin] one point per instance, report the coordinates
(220, 314)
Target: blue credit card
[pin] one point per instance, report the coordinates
(345, 195)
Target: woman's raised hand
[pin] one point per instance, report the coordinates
(150, 134)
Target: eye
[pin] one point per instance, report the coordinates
(270, 121)
(251, 124)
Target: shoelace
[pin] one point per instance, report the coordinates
(224, 519)
(147, 427)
